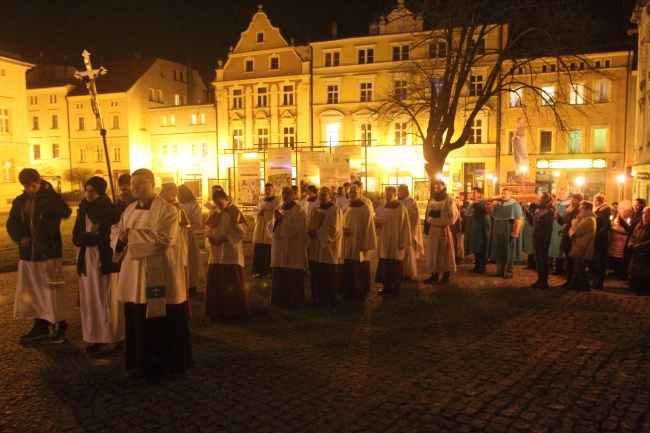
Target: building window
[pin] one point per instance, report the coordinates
(400, 134)
(601, 92)
(475, 85)
(237, 99)
(577, 94)
(4, 120)
(438, 50)
(33, 100)
(98, 124)
(117, 153)
(194, 119)
(548, 95)
(575, 141)
(600, 140)
(333, 94)
(546, 141)
(37, 151)
(152, 95)
(248, 66)
(365, 92)
(174, 150)
(366, 55)
(262, 138)
(82, 154)
(79, 106)
(35, 123)
(172, 120)
(401, 91)
(55, 121)
(275, 63)
(332, 58)
(55, 151)
(515, 97)
(204, 150)
(114, 103)
(476, 132)
(8, 174)
(480, 46)
(366, 134)
(400, 53)
(195, 150)
(177, 99)
(164, 151)
(81, 123)
(332, 134)
(262, 97)
(260, 37)
(287, 95)
(237, 139)
(115, 121)
(289, 136)
(99, 154)
(160, 96)
(52, 99)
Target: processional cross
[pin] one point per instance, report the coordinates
(89, 76)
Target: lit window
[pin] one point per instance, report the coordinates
(577, 94)
(37, 151)
(515, 97)
(601, 92)
(366, 134)
(177, 99)
(99, 154)
(117, 153)
(600, 140)
(55, 151)
(400, 134)
(164, 151)
(237, 139)
(172, 120)
(204, 150)
(332, 131)
(548, 95)
(575, 141)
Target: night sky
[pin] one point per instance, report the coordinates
(198, 31)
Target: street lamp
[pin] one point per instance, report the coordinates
(580, 181)
(620, 179)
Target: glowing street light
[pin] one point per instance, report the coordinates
(620, 179)
(580, 181)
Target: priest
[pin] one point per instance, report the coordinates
(505, 242)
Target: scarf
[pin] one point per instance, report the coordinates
(95, 210)
(441, 195)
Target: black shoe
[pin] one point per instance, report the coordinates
(432, 279)
(445, 279)
(38, 331)
(94, 348)
(193, 291)
(58, 336)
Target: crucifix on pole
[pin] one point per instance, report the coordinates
(89, 76)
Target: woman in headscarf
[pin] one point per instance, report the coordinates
(102, 318)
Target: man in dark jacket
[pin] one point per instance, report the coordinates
(542, 222)
(565, 220)
(34, 224)
(601, 242)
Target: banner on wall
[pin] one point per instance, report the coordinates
(353, 155)
(279, 168)
(309, 169)
(334, 170)
(248, 177)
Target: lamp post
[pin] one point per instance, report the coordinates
(620, 179)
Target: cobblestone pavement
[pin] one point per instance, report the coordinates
(481, 354)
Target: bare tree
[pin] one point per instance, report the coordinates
(475, 51)
(77, 176)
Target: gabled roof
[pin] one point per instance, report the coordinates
(120, 76)
(42, 76)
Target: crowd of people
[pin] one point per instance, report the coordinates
(139, 259)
